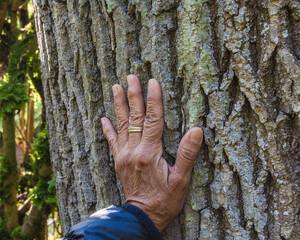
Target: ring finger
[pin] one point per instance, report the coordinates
(137, 109)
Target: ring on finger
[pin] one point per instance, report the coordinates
(132, 129)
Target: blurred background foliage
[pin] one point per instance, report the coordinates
(28, 205)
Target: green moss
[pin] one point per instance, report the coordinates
(23, 66)
(4, 173)
(44, 187)
(13, 95)
(43, 192)
(41, 150)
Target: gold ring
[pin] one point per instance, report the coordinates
(134, 129)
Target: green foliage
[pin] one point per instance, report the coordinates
(43, 193)
(4, 167)
(23, 66)
(4, 172)
(44, 188)
(17, 234)
(13, 95)
(24, 59)
(41, 152)
(3, 230)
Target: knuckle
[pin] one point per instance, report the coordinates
(152, 137)
(140, 158)
(153, 99)
(108, 135)
(136, 118)
(140, 163)
(111, 140)
(118, 105)
(122, 124)
(133, 93)
(123, 161)
(153, 120)
(104, 129)
(187, 153)
(154, 117)
(127, 160)
(152, 110)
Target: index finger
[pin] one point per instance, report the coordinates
(153, 125)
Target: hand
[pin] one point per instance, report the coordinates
(149, 182)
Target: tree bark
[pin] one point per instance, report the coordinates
(10, 183)
(30, 120)
(13, 16)
(230, 67)
(3, 8)
(34, 223)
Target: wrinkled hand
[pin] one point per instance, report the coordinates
(149, 182)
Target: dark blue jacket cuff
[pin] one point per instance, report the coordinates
(114, 223)
(143, 219)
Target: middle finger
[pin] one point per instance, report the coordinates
(137, 109)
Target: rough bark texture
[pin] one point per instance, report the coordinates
(10, 183)
(231, 67)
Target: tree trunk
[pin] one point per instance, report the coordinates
(230, 67)
(3, 8)
(30, 120)
(10, 183)
(34, 223)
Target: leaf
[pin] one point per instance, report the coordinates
(51, 200)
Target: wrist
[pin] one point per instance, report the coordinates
(157, 221)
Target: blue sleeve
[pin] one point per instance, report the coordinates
(112, 223)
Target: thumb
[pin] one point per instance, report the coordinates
(188, 151)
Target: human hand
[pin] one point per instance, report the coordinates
(149, 182)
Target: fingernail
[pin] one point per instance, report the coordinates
(196, 136)
(103, 121)
(153, 82)
(115, 90)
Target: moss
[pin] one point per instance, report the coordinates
(44, 187)
(23, 65)
(43, 192)
(41, 150)
(13, 95)
(4, 173)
